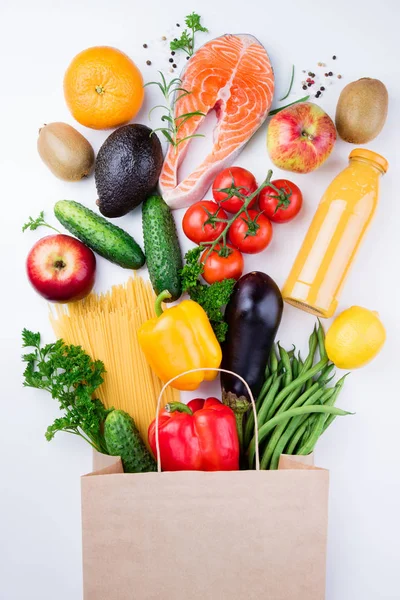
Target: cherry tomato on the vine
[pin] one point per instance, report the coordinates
(281, 206)
(199, 222)
(235, 180)
(251, 235)
(222, 263)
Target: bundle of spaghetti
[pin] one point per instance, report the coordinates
(106, 327)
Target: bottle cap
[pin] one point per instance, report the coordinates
(378, 159)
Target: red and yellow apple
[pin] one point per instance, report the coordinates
(300, 138)
(61, 268)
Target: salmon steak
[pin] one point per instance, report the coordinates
(232, 75)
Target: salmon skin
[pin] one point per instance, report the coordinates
(231, 74)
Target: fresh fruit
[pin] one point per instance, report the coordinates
(127, 168)
(199, 223)
(233, 75)
(300, 138)
(362, 110)
(65, 151)
(122, 439)
(222, 263)
(251, 232)
(103, 88)
(61, 268)
(108, 240)
(161, 245)
(355, 338)
(229, 179)
(282, 202)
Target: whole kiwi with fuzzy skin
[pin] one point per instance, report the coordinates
(65, 151)
(362, 110)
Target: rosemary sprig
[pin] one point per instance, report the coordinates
(276, 110)
(290, 86)
(172, 93)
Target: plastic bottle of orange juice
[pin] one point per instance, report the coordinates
(335, 234)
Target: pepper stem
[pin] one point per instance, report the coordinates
(178, 406)
(165, 295)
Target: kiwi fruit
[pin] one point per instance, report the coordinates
(362, 110)
(65, 151)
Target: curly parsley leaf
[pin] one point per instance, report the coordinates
(186, 41)
(71, 377)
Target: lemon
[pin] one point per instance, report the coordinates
(354, 338)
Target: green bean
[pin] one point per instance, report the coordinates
(286, 364)
(273, 361)
(312, 346)
(293, 412)
(267, 372)
(264, 408)
(321, 340)
(302, 427)
(311, 396)
(296, 383)
(249, 428)
(326, 371)
(284, 440)
(295, 367)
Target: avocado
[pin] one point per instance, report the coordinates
(361, 110)
(127, 169)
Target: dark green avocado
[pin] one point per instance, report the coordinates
(127, 169)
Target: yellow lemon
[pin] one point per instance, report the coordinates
(354, 338)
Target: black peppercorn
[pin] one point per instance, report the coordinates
(187, 58)
(322, 88)
(148, 62)
(304, 87)
(177, 25)
(309, 84)
(173, 53)
(144, 45)
(334, 57)
(330, 73)
(171, 60)
(174, 65)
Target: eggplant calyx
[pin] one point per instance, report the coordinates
(240, 405)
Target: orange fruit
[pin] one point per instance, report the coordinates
(103, 88)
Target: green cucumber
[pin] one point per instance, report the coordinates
(161, 245)
(108, 240)
(122, 439)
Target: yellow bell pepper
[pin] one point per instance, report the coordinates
(179, 339)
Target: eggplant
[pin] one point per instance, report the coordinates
(253, 315)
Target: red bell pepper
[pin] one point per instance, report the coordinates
(199, 436)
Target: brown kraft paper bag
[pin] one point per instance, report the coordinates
(193, 535)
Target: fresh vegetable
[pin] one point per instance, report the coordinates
(355, 337)
(200, 222)
(231, 185)
(61, 269)
(361, 110)
(161, 244)
(212, 298)
(174, 123)
(186, 41)
(253, 314)
(103, 88)
(245, 77)
(251, 232)
(71, 377)
(281, 201)
(180, 339)
(222, 262)
(199, 436)
(295, 404)
(105, 238)
(122, 439)
(300, 138)
(65, 151)
(127, 169)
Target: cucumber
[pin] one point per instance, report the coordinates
(122, 439)
(108, 240)
(161, 245)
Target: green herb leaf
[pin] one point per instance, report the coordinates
(71, 377)
(186, 41)
(33, 224)
(193, 21)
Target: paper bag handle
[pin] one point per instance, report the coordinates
(253, 404)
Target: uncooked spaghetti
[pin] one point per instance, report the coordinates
(106, 327)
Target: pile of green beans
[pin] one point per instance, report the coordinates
(295, 405)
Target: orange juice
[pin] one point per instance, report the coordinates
(335, 234)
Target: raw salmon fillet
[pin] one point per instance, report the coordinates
(233, 75)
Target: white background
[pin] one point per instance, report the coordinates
(40, 495)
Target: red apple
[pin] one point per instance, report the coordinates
(61, 268)
(300, 138)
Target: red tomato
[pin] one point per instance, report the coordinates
(198, 223)
(218, 268)
(251, 236)
(234, 177)
(283, 206)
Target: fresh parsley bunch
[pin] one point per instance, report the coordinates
(186, 41)
(71, 377)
